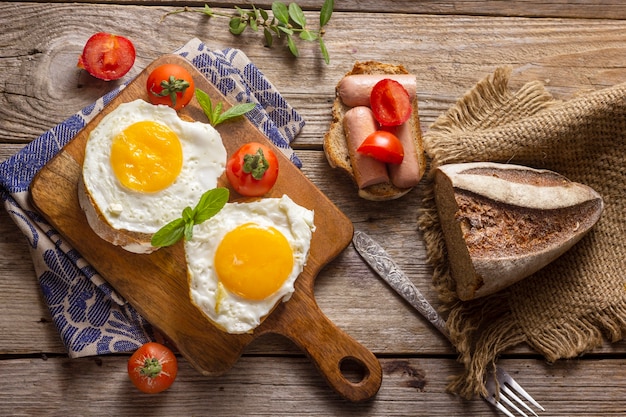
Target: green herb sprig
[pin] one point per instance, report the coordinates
(288, 21)
(209, 205)
(215, 113)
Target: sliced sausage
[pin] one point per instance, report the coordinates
(359, 123)
(354, 90)
(407, 173)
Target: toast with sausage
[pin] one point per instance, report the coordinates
(352, 121)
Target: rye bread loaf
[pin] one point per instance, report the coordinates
(335, 143)
(502, 222)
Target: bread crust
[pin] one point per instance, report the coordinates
(503, 222)
(135, 242)
(335, 143)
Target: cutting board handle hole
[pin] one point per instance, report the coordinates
(353, 369)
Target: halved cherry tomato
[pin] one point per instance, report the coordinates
(390, 103)
(170, 84)
(253, 169)
(152, 368)
(384, 146)
(107, 57)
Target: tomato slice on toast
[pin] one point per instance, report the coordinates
(383, 146)
(390, 103)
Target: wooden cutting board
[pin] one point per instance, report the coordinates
(157, 285)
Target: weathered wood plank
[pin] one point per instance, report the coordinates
(290, 386)
(605, 9)
(41, 86)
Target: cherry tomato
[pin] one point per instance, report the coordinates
(390, 103)
(252, 170)
(152, 368)
(170, 84)
(107, 57)
(384, 146)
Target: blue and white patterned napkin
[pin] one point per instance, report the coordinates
(90, 317)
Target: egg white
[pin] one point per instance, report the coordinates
(204, 160)
(235, 314)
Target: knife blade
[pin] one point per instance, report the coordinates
(386, 268)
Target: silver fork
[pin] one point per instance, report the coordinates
(502, 389)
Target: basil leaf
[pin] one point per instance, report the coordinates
(235, 111)
(210, 204)
(168, 234)
(206, 104)
(188, 233)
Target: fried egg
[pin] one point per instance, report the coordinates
(144, 164)
(246, 259)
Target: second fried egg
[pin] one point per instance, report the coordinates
(246, 259)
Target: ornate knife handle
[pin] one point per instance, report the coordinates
(385, 266)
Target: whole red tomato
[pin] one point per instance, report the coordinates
(253, 169)
(390, 103)
(152, 368)
(384, 146)
(170, 84)
(107, 57)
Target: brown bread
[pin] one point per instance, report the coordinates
(503, 222)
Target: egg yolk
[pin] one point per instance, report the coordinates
(146, 156)
(253, 262)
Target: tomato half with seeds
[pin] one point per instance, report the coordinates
(390, 103)
(107, 56)
(253, 169)
(383, 146)
(152, 368)
(170, 84)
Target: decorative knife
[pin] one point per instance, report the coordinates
(388, 270)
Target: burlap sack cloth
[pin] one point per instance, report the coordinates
(568, 307)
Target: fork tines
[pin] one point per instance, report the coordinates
(509, 393)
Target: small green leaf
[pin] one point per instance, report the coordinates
(269, 39)
(169, 234)
(326, 12)
(217, 110)
(297, 15)
(206, 104)
(292, 46)
(214, 112)
(188, 233)
(188, 214)
(264, 14)
(253, 24)
(235, 111)
(285, 30)
(207, 10)
(324, 51)
(280, 12)
(237, 25)
(210, 204)
(307, 35)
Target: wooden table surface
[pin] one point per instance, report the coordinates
(570, 46)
